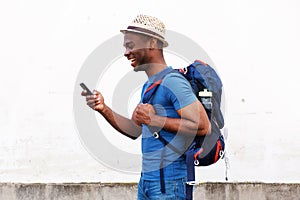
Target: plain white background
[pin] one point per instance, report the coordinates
(43, 44)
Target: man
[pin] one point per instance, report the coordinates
(174, 112)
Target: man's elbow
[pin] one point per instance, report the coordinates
(134, 138)
(204, 130)
(131, 136)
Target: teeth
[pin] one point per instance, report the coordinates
(132, 59)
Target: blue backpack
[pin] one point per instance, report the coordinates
(205, 150)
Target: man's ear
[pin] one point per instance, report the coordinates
(153, 43)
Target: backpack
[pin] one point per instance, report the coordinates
(204, 150)
(207, 86)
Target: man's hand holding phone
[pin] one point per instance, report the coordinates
(94, 99)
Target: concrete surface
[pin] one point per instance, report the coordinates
(127, 191)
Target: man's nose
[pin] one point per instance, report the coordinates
(127, 52)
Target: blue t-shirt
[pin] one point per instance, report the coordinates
(171, 95)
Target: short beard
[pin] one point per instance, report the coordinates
(142, 67)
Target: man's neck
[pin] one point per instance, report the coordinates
(154, 68)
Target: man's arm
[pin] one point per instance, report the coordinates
(193, 119)
(120, 123)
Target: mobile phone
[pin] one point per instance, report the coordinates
(86, 88)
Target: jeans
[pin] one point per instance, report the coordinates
(150, 190)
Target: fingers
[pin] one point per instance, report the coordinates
(143, 114)
(94, 101)
(146, 109)
(84, 93)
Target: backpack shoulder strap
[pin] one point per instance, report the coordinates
(149, 92)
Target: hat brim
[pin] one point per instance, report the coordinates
(165, 43)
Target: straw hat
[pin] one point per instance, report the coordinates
(148, 25)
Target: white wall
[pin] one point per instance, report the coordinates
(43, 44)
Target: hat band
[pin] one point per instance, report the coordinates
(145, 31)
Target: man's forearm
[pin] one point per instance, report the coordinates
(176, 125)
(120, 123)
(193, 119)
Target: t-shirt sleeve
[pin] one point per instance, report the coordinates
(179, 90)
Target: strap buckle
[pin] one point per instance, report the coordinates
(191, 183)
(156, 135)
(221, 154)
(185, 70)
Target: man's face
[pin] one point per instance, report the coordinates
(136, 46)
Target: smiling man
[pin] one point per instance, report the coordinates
(173, 111)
